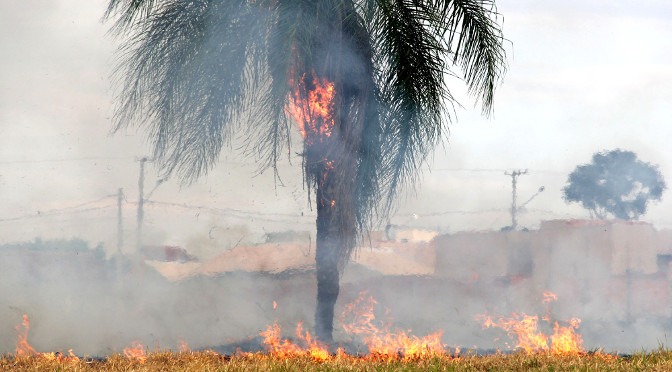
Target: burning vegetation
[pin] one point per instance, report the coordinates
(371, 340)
(311, 107)
(525, 331)
(386, 351)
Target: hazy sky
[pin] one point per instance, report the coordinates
(584, 76)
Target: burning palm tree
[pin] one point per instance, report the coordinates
(365, 81)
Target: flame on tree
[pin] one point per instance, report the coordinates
(330, 170)
(364, 80)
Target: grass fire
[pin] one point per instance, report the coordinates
(384, 350)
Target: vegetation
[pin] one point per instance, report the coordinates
(660, 360)
(616, 183)
(365, 81)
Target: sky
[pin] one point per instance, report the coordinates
(583, 76)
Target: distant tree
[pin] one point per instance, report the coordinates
(615, 183)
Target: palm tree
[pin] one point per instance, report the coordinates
(365, 81)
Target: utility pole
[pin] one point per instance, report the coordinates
(514, 209)
(141, 202)
(120, 226)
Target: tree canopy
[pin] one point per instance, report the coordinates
(615, 183)
(196, 73)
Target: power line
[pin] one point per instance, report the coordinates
(65, 210)
(64, 160)
(54, 213)
(232, 213)
(443, 213)
(83, 204)
(466, 170)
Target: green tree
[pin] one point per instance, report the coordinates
(615, 183)
(194, 73)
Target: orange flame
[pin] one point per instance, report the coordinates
(524, 329)
(59, 357)
(284, 348)
(312, 110)
(311, 105)
(381, 342)
(549, 297)
(565, 339)
(136, 352)
(23, 348)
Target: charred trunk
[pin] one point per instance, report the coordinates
(327, 262)
(336, 226)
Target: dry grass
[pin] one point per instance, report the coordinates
(660, 360)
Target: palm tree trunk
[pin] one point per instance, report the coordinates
(336, 224)
(326, 260)
(332, 160)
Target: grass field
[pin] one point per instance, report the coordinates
(660, 360)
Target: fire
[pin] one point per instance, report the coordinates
(549, 297)
(284, 348)
(361, 322)
(311, 106)
(565, 339)
(184, 347)
(59, 357)
(381, 342)
(522, 327)
(136, 351)
(23, 348)
(525, 330)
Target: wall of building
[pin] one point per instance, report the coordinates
(598, 269)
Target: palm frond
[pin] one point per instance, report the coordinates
(414, 42)
(187, 77)
(472, 29)
(129, 12)
(411, 74)
(269, 128)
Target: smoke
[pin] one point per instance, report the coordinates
(609, 275)
(76, 299)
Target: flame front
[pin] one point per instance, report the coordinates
(136, 351)
(383, 343)
(358, 320)
(283, 348)
(23, 348)
(565, 339)
(525, 330)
